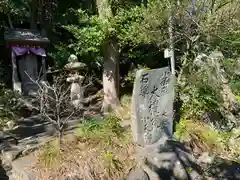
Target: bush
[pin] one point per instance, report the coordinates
(9, 103)
(199, 95)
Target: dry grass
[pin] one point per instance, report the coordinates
(124, 112)
(200, 136)
(102, 151)
(203, 138)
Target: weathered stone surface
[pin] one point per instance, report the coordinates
(152, 106)
(22, 168)
(72, 176)
(205, 158)
(137, 174)
(125, 123)
(10, 124)
(73, 63)
(173, 161)
(9, 156)
(77, 94)
(71, 138)
(28, 70)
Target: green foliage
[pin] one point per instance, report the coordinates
(188, 130)
(132, 25)
(107, 133)
(60, 53)
(89, 35)
(12, 7)
(180, 131)
(99, 128)
(217, 28)
(231, 67)
(238, 98)
(9, 103)
(110, 137)
(200, 95)
(132, 74)
(235, 86)
(207, 138)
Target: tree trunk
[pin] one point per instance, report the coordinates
(33, 14)
(10, 21)
(59, 139)
(111, 63)
(111, 77)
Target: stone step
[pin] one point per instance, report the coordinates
(22, 168)
(31, 120)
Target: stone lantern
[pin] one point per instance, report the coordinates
(76, 80)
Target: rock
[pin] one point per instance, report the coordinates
(50, 130)
(236, 133)
(71, 138)
(9, 156)
(206, 158)
(199, 61)
(125, 123)
(22, 167)
(10, 124)
(137, 174)
(72, 176)
(179, 171)
(171, 160)
(212, 117)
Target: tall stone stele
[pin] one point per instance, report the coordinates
(76, 80)
(152, 106)
(27, 59)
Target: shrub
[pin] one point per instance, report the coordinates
(9, 103)
(199, 95)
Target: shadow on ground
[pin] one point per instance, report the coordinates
(175, 161)
(3, 173)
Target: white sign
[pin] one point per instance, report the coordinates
(168, 53)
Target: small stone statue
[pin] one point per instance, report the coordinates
(76, 80)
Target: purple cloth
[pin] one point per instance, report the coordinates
(19, 51)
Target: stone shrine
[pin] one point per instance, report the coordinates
(28, 59)
(152, 106)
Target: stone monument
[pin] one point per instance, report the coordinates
(158, 155)
(152, 106)
(76, 80)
